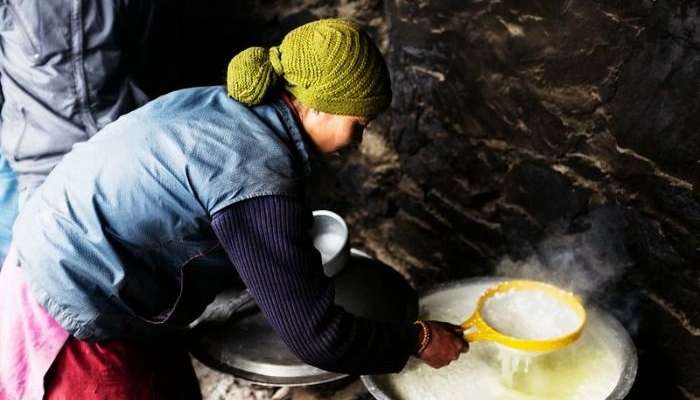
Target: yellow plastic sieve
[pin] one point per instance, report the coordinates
(476, 329)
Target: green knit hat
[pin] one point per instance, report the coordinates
(329, 65)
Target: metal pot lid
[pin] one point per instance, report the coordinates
(616, 334)
(247, 346)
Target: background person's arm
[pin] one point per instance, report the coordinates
(8, 193)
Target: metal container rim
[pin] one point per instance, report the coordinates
(627, 376)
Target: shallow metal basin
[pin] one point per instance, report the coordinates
(247, 347)
(618, 335)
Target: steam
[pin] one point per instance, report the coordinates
(591, 262)
(566, 263)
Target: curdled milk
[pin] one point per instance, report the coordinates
(589, 369)
(529, 314)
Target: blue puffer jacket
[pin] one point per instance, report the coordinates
(64, 76)
(107, 241)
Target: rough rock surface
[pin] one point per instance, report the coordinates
(564, 132)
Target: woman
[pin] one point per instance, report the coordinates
(136, 231)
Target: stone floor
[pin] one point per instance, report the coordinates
(220, 386)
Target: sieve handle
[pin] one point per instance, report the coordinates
(474, 329)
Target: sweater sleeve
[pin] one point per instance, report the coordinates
(268, 242)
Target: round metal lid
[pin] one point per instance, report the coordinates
(247, 346)
(616, 334)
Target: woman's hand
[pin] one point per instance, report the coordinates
(446, 344)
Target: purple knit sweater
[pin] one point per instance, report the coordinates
(267, 240)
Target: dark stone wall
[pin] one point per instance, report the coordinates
(560, 134)
(566, 131)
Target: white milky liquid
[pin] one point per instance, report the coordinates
(512, 362)
(588, 369)
(328, 244)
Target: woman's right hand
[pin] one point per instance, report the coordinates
(446, 344)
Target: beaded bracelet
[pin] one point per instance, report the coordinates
(426, 335)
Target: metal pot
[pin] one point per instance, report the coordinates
(618, 335)
(330, 235)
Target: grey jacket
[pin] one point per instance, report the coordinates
(63, 75)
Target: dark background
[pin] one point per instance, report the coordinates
(560, 133)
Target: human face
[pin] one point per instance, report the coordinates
(331, 132)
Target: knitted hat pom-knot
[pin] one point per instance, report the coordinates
(276, 60)
(250, 75)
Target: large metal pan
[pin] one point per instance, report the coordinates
(247, 346)
(616, 335)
